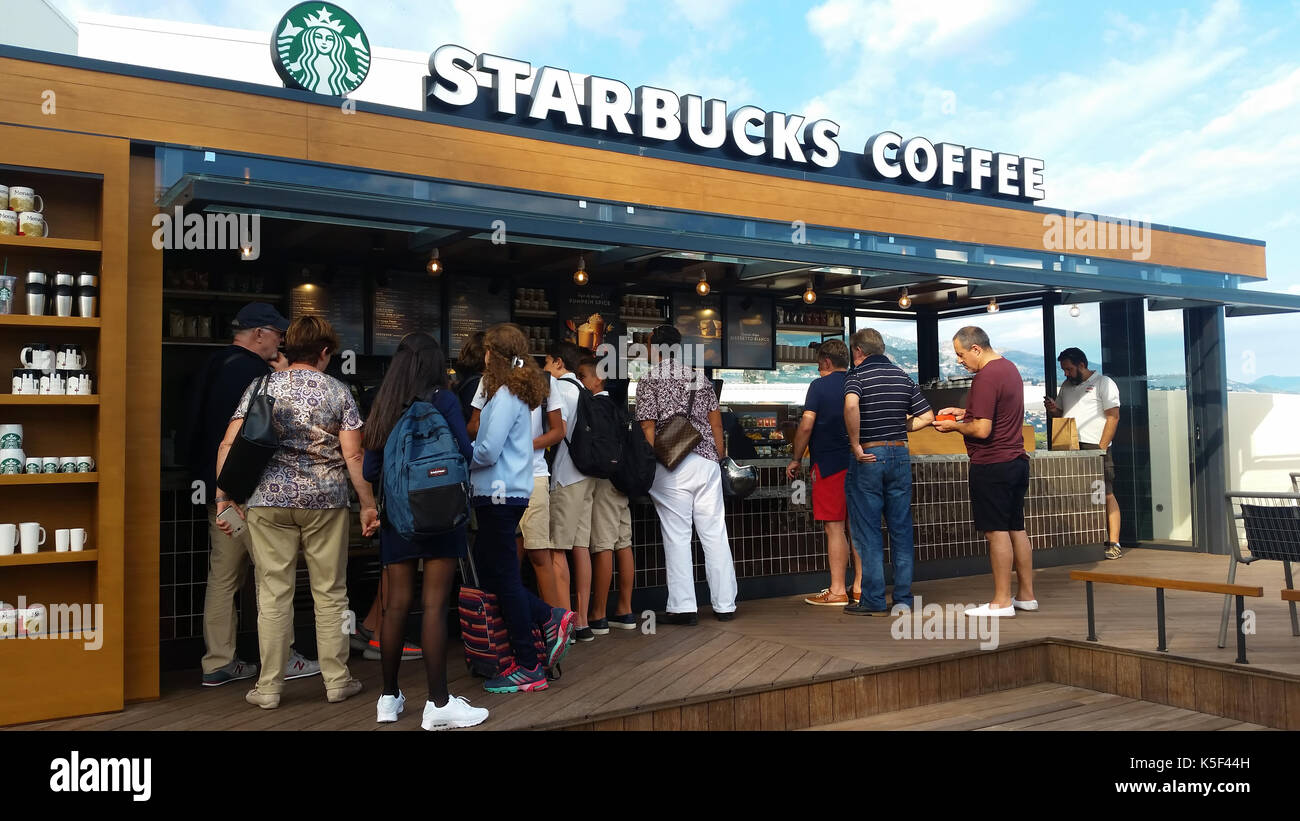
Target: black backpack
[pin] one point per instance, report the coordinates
(596, 441)
(636, 466)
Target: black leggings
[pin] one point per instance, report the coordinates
(497, 561)
(438, 576)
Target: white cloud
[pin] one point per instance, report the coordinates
(707, 14)
(687, 75)
(1120, 27)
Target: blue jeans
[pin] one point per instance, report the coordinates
(883, 486)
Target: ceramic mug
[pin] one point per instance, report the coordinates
(67, 464)
(61, 539)
(25, 199)
(52, 384)
(84, 387)
(38, 356)
(11, 436)
(49, 464)
(78, 539)
(31, 536)
(32, 465)
(8, 539)
(8, 223)
(33, 224)
(70, 357)
(85, 464)
(12, 461)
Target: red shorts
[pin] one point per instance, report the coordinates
(829, 503)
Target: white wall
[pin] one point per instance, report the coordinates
(1171, 485)
(36, 24)
(1263, 442)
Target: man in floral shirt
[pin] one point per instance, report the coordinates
(692, 492)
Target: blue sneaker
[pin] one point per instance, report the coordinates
(600, 627)
(558, 632)
(518, 680)
(627, 621)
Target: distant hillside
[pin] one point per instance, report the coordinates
(1277, 384)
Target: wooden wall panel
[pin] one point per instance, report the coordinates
(161, 111)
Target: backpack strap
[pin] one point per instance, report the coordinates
(568, 437)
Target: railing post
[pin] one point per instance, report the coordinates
(1241, 631)
(1092, 623)
(1160, 618)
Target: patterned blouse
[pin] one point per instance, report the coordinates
(307, 472)
(667, 389)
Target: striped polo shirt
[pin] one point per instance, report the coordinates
(886, 396)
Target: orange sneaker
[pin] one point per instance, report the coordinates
(828, 599)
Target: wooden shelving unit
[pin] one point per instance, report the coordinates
(85, 182)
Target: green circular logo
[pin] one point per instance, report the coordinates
(320, 47)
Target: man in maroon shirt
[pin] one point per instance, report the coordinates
(999, 467)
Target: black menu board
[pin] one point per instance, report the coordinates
(699, 318)
(341, 301)
(750, 330)
(409, 302)
(589, 317)
(472, 306)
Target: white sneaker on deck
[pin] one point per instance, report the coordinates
(989, 611)
(457, 712)
(390, 707)
(1032, 604)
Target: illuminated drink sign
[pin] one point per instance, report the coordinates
(490, 85)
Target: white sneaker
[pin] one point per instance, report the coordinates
(989, 611)
(390, 707)
(1032, 604)
(300, 666)
(457, 712)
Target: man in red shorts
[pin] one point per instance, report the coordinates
(821, 430)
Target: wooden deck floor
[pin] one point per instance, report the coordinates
(773, 643)
(1046, 706)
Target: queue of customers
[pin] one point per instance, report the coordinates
(571, 527)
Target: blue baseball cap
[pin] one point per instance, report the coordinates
(260, 315)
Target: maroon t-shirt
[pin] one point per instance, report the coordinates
(998, 393)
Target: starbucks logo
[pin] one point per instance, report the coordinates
(320, 47)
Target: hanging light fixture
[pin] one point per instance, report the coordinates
(580, 276)
(434, 266)
(1074, 310)
(702, 287)
(809, 295)
(993, 306)
(904, 301)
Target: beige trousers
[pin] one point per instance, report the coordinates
(227, 570)
(278, 533)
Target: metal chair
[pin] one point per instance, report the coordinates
(1264, 526)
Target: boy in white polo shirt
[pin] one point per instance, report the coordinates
(571, 493)
(1092, 401)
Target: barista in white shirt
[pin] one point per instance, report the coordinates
(1092, 401)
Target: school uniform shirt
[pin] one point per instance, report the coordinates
(540, 468)
(1087, 404)
(563, 472)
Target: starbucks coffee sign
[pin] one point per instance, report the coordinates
(495, 88)
(320, 47)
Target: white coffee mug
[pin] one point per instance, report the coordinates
(43, 359)
(85, 464)
(32, 465)
(12, 461)
(11, 436)
(78, 539)
(25, 199)
(70, 358)
(61, 537)
(52, 384)
(31, 536)
(8, 539)
(67, 464)
(49, 464)
(84, 387)
(32, 224)
(8, 223)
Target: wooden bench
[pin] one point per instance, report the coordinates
(1240, 591)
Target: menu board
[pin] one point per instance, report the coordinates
(341, 302)
(474, 307)
(589, 317)
(699, 318)
(409, 302)
(750, 329)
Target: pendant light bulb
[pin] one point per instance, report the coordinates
(702, 287)
(809, 295)
(1074, 310)
(993, 306)
(434, 267)
(580, 276)
(904, 301)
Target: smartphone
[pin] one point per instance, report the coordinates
(231, 517)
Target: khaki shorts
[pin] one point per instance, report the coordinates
(535, 526)
(571, 514)
(611, 518)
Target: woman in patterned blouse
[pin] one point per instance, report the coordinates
(302, 501)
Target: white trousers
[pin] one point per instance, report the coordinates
(693, 494)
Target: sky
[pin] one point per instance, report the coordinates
(1184, 114)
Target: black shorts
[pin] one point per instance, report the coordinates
(1108, 467)
(997, 495)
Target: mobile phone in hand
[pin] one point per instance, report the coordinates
(231, 517)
